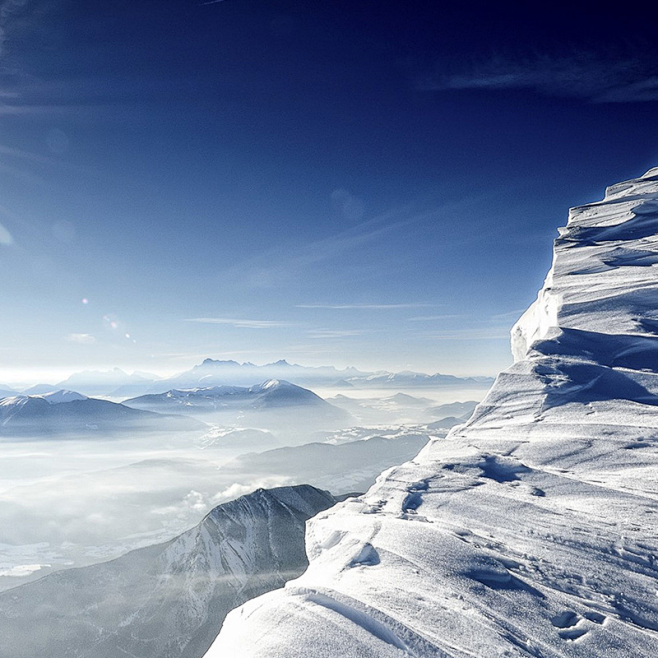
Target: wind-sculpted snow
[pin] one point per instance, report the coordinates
(168, 600)
(532, 530)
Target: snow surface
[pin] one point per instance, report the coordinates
(532, 530)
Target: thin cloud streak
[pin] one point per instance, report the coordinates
(6, 237)
(26, 176)
(509, 316)
(334, 333)
(429, 318)
(82, 339)
(377, 307)
(27, 155)
(20, 154)
(587, 75)
(469, 334)
(276, 265)
(242, 324)
(7, 10)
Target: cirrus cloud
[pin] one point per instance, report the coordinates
(584, 74)
(241, 323)
(82, 339)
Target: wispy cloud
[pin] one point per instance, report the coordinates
(347, 247)
(592, 76)
(241, 323)
(431, 318)
(6, 237)
(496, 326)
(472, 334)
(283, 263)
(8, 9)
(359, 307)
(334, 333)
(26, 155)
(25, 175)
(508, 316)
(82, 339)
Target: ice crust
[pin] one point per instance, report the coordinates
(532, 530)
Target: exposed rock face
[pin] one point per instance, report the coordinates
(169, 600)
(532, 530)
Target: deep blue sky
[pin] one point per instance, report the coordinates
(366, 183)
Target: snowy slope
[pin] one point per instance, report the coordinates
(532, 530)
(168, 600)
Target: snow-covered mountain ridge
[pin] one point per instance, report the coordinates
(166, 600)
(65, 411)
(533, 529)
(274, 405)
(272, 393)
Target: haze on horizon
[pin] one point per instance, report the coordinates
(352, 184)
(26, 377)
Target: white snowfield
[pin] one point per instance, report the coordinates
(532, 530)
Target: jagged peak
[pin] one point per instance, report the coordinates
(642, 185)
(217, 362)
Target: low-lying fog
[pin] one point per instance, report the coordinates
(76, 499)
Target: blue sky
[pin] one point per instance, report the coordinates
(373, 184)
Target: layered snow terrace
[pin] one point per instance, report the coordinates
(532, 530)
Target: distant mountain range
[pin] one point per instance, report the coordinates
(277, 405)
(7, 391)
(341, 468)
(271, 395)
(213, 373)
(396, 409)
(167, 600)
(461, 410)
(40, 389)
(116, 383)
(243, 439)
(68, 411)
